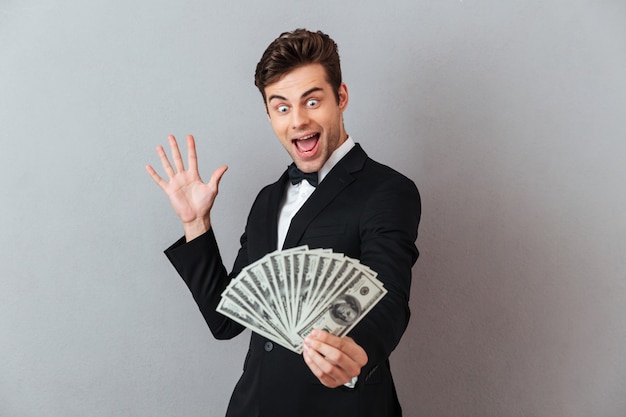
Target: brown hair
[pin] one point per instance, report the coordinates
(295, 49)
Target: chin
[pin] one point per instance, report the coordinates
(309, 166)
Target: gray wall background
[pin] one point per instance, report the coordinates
(508, 115)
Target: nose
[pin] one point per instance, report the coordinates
(299, 118)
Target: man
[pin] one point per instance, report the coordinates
(359, 207)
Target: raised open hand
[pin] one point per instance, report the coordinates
(191, 198)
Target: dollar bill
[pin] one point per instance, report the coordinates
(288, 293)
(348, 308)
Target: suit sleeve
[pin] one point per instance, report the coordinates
(388, 231)
(200, 265)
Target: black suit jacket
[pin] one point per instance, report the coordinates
(362, 209)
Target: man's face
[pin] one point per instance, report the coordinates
(305, 115)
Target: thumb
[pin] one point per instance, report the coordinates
(216, 177)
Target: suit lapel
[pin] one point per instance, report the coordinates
(337, 179)
(275, 198)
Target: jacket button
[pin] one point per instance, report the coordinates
(268, 346)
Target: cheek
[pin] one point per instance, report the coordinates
(282, 135)
(331, 122)
(279, 126)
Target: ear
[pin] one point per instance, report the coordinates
(343, 97)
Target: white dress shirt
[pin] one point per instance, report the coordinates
(296, 195)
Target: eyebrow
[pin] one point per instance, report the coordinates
(306, 93)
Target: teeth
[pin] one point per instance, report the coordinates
(307, 137)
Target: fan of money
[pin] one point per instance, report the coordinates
(288, 293)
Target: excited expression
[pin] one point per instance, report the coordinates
(305, 115)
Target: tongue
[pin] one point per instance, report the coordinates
(306, 145)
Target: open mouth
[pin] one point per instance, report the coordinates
(306, 144)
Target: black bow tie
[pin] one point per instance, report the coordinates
(296, 176)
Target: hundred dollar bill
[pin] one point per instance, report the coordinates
(279, 287)
(259, 306)
(344, 279)
(287, 293)
(256, 281)
(256, 308)
(236, 311)
(231, 306)
(304, 282)
(343, 313)
(285, 282)
(329, 277)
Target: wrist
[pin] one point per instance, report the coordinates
(195, 228)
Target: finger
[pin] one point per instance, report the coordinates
(345, 345)
(334, 357)
(341, 352)
(176, 157)
(192, 158)
(165, 162)
(216, 177)
(156, 177)
(332, 362)
(322, 369)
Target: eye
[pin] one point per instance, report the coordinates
(282, 109)
(312, 102)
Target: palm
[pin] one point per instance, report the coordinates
(191, 198)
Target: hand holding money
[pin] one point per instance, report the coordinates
(333, 360)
